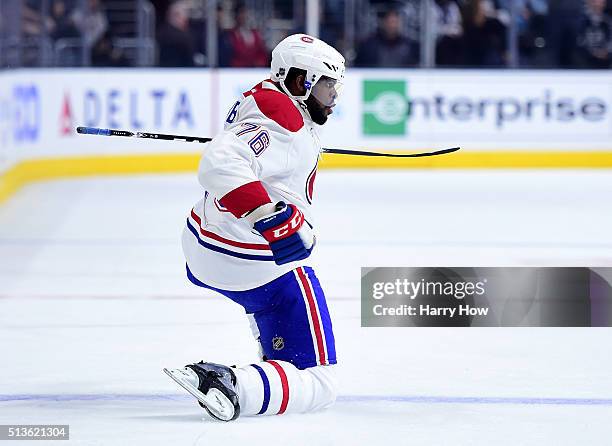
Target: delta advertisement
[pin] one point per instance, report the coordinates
(378, 109)
(42, 108)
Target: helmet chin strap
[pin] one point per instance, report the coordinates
(304, 107)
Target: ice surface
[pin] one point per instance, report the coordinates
(94, 302)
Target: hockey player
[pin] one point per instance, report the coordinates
(250, 237)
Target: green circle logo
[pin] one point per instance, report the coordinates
(389, 108)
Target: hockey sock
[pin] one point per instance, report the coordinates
(277, 387)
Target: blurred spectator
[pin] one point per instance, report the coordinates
(104, 53)
(562, 27)
(594, 36)
(31, 20)
(224, 47)
(60, 26)
(331, 25)
(332, 13)
(32, 31)
(530, 22)
(176, 47)
(91, 21)
(247, 46)
(59, 23)
(388, 47)
(526, 9)
(161, 10)
(448, 28)
(485, 36)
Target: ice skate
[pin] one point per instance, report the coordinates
(214, 386)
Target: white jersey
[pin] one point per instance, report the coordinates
(267, 152)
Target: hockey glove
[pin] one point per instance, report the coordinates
(284, 227)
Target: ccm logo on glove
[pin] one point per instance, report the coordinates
(295, 223)
(283, 227)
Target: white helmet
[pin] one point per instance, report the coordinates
(318, 59)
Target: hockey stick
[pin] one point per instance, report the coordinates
(166, 137)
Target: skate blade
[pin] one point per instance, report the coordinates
(214, 400)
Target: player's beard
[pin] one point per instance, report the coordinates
(316, 110)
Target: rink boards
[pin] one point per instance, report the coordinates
(509, 119)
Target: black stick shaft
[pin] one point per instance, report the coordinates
(172, 137)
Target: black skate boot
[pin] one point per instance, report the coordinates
(214, 386)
